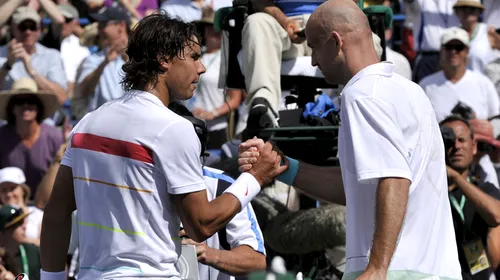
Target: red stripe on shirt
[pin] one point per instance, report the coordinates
(112, 147)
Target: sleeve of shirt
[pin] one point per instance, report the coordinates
(244, 229)
(493, 99)
(178, 151)
(66, 160)
(88, 65)
(378, 145)
(56, 73)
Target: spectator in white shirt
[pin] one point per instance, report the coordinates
(483, 39)
(455, 83)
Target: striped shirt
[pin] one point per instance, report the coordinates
(243, 229)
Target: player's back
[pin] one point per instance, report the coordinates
(125, 217)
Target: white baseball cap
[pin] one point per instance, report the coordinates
(455, 33)
(13, 175)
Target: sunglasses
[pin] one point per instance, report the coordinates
(27, 26)
(25, 100)
(456, 47)
(68, 20)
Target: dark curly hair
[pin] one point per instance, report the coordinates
(156, 37)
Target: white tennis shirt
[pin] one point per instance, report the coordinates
(128, 158)
(389, 129)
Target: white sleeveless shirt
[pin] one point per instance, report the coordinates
(480, 51)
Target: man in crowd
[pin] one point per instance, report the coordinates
(24, 57)
(475, 204)
(98, 78)
(135, 176)
(391, 156)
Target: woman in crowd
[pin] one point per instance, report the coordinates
(28, 143)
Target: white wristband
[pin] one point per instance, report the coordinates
(44, 275)
(245, 189)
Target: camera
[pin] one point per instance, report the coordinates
(449, 136)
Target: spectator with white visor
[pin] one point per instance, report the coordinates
(24, 57)
(432, 18)
(456, 87)
(484, 41)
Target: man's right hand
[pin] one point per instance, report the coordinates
(265, 161)
(292, 27)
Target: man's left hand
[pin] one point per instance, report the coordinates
(20, 52)
(372, 274)
(206, 255)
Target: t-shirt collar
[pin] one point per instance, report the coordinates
(385, 68)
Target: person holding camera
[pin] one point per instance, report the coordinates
(475, 204)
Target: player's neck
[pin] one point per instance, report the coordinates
(358, 63)
(161, 91)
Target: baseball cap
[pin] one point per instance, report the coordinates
(106, 14)
(68, 11)
(12, 174)
(10, 215)
(455, 33)
(25, 13)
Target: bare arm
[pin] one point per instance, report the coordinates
(392, 198)
(322, 183)
(494, 38)
(202, 219)
(87, 86)
(56, 225)
(239, 261)
(7, 9)
(494, 247)
(51, 8)
(233, 102)
(268, 7)
(42, 194)
(487, 206)
(46, 84)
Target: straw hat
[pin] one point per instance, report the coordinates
(208, 17)
(469, 3)
(26, 86)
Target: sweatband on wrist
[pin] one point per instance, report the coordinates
(44, 275)
(288, 177)
(245, 188)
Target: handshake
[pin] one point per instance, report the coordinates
(263, 160)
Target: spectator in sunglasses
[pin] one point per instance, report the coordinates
(23, 56)
(64, 37)
(28, 143)
(12, 232)
(455, 83)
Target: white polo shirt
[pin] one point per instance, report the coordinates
(242, 230)
(128, 158)
(473, 89)
(389, 129)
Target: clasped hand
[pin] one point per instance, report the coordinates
(261, 160)
(17, 51)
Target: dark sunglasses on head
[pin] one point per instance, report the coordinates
(28, 25)
(68, 20)
(22, 100)
(457, 47)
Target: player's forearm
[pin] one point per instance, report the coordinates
(268, 7)
(54, 239)
(487, 206)
(392, 198)
(322, 183)
(45, 84)
(494, 247)
(239, 261)
(210, 218)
